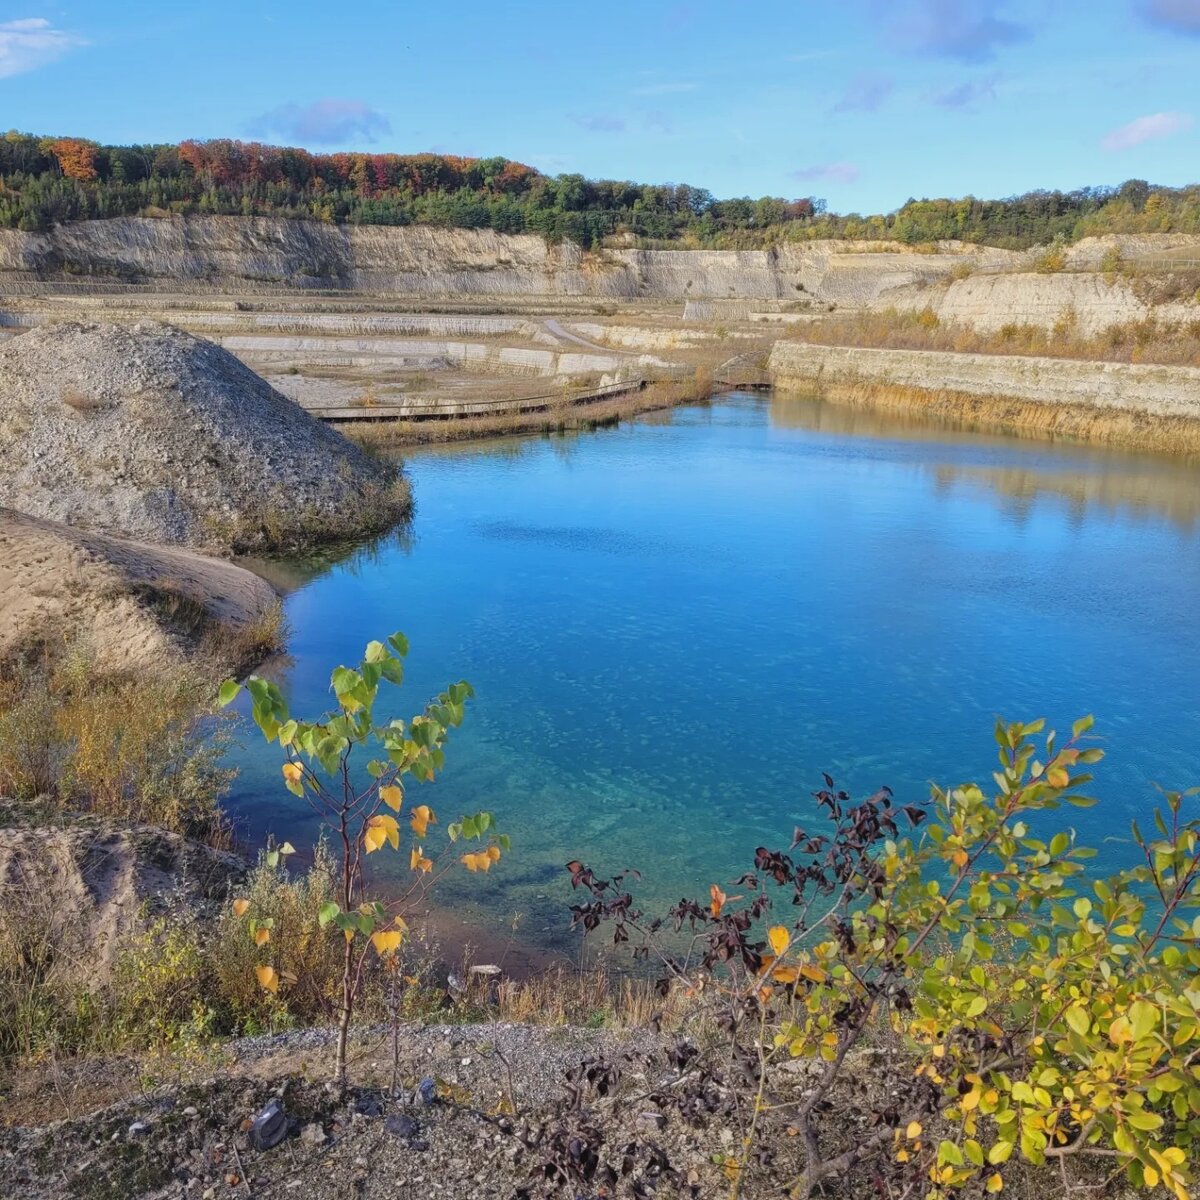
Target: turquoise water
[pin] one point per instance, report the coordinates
(674, 626)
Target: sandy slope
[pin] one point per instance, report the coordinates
(130, 601)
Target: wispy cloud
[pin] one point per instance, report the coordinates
(664, 89)
(865, 93)
(968, 30)
(967, 94)
(330, 121)
(32, 42)
(598, 122)
(1181, 15)
(809, 56)
(834, 172)
(1147, 129)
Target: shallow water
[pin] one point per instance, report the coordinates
(674, 626)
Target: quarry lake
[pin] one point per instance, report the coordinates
(674, 626)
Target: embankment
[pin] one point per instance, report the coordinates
(1149, 407)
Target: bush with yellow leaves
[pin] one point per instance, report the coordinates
(1028, 1014)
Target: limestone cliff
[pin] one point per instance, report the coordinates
(244, 252)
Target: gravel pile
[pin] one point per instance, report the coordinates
(147, 432)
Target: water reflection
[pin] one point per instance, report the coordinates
(1088, 478)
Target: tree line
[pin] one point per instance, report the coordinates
(48, 181)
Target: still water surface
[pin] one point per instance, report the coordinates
(674, 626)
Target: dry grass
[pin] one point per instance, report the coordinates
(128, 747)
(559, 416)
(1134, 342)
(1025, 418)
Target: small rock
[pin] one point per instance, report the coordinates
(654, 1119)
(402, 1126)
(425, 1094)
(191, 1111)
(418, 1144)
(313, 1135)
(139, 1129)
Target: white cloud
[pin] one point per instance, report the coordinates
(834, 172)
(330, 121)
(1146, 129)
(32, 42)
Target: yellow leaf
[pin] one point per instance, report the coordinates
(422, 817)
(785, 975)
(718, 899)
(815, 974)
(241, 908)
(779, 938)
(387, 942)
(392, 796)
(1057, 777)
(493, 852)
(1150, 1175)
(995, 1183)
(418, 862)
(470, 862)
(970, 1100)
(381, 828)
(267, 978)
(913, 1131)
(262, 937)
(902, 1155)
(293, 772)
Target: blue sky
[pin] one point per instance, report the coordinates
(864, 102)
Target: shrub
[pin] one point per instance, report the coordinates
(130, 747)
(1052, 260)
(306, 953)
(1028, 1017)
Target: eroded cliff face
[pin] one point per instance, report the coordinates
(423, 261)
(976, 285)
(1086, 302)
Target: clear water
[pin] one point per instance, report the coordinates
(675, 626)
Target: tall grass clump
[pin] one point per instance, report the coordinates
(132, 747)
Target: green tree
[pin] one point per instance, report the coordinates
(362, 816)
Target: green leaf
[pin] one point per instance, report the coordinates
(1082, 725)
(1078, 1019)
(327, 912)
(1144, 1120)
(1143, 1020)
(949, 1155)
(230, 690)
(978, 1005)
(1001, 1152)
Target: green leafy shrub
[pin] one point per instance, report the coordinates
(1031, 1018)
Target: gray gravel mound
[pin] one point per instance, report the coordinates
(147, 432)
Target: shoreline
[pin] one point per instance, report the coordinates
(1133, 406)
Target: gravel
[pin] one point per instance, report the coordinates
(147, 432)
